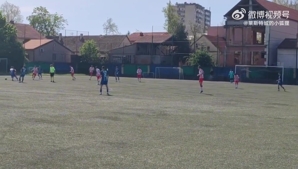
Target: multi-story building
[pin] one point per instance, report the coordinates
(192, 14)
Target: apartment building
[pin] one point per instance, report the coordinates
(193, 14)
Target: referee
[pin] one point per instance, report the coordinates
(52, 72)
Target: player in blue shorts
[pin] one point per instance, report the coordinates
(117, 74)
(40, 72)
(279, 82)
(13, 72)
(22, 74)
(104, 80)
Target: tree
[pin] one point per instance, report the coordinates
(171, 18)
(89, 51)
(110, 28)
(288, 3)
(9, 46)
(196, 31)
(11, 12)
(46, 23)
(182, 44)
(200, 57)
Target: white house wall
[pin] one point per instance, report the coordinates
(276, 35)
(287, 58)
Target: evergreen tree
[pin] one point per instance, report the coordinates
(10, 48)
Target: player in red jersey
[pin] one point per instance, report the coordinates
(236, 80)
(34, 72)
(201, 78)
(91, 70)
(72, 73)
(139, 74)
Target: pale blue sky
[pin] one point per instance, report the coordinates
(129, 15)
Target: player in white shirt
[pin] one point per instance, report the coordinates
(201, 78)
(72, 73)
(98, 75)
(91, 70)
(139, 74)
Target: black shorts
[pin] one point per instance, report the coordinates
(52, 74)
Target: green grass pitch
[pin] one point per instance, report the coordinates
(154, 124)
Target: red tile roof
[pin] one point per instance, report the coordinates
(35, 43)
(153, 39)
(271, 6)
(25, 31)
(218, 42)
(158, 37)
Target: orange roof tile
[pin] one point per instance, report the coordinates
(35, 43)
(27, 31)
(158, 37)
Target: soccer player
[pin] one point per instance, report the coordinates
(72, 73)
(52, 73)
(201, 78)
(39, 72)
(15, 74)
(12, 72)
(91, 70)
(279, 82)
(34, 72)
(231, 75)
(139, 74)
(117, 74)
(236, 79)
(104, 80)
(22, 74)
(97, 74)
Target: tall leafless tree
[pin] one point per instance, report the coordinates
(289, 3)
(11, 12)
(110, 28)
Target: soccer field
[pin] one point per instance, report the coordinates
(154, 124)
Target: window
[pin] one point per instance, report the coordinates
(54, 57)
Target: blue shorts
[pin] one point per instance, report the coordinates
(22, 75)
(104, 83)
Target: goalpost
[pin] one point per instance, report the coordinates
(169, 73)
(3, 65)
(254, 73)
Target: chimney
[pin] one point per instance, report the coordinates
(81, 38)
(12, 22)
(141, 34)
(60, 38)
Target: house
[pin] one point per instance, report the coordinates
(47, 50)
(105, 43)
(215, 46)
(136, 35)
(26, 32)
(216, 31)
(147, 48)
(257, 44)
(287, 53)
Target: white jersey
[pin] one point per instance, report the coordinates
(139, 71)
(71, 70)
(91, 69)
(97, 72)
(201, 74)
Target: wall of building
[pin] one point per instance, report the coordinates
(275, 35)
(287, 58)
(51, 52)
(217, 56)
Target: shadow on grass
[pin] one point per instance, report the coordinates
(207, 94)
